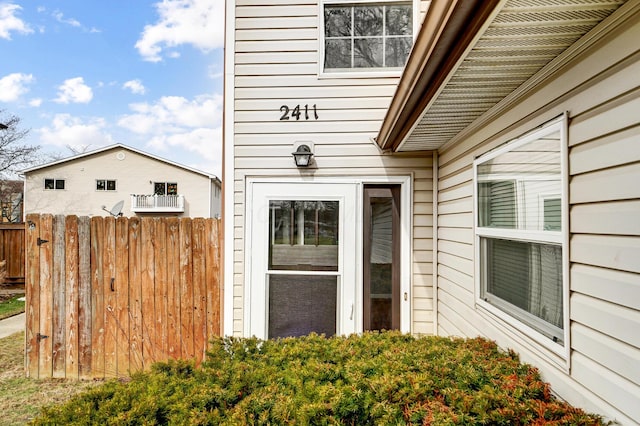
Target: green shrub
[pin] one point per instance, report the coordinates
(370, 379)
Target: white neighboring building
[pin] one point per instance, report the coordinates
(488, 187)
(89, 183)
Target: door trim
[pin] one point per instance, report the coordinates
(406, 243)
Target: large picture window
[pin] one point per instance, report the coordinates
(519, 231)
(360, 36)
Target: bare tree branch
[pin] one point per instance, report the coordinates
(14, 155)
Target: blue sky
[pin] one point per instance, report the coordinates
(94, 72)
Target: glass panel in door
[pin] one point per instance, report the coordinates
(381, 272)
(303, 236)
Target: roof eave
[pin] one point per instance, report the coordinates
(449, 28)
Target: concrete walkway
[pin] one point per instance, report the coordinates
(11, 325)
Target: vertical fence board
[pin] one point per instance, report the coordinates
(149, 348)
(199, 289)
(212, 256)
(186, 289)
(97, 297)
(173, 287)
(121, 286)
(84, 297)
(71, 299)
(59, 290)
(32, 293)
(46, 296)
(160, 268)
(135, 295)
(110, 320)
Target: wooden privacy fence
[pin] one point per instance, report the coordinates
(12, 252)
(109, 296)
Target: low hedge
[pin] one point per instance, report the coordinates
(369, 379)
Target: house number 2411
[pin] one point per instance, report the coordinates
(299, 113)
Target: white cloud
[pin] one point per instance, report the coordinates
(135, 86)
(74, 90)
(176, 122)
(73, 131)
(59, 16)
(10, 22)
(205, 142)
(14, 85)
(35, 102)
(199, 23)
(172, 113)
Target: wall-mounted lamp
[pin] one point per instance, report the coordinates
(302, 155)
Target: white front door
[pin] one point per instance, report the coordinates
(302, 259)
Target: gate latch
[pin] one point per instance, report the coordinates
(40, 337)
(41, 241)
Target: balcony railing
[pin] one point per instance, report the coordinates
(157, 203)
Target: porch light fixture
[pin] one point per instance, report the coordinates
(302, 155)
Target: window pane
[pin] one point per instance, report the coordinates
(398, 20)
(100, 185)
(368, 53)
(111, 185)
(60, 184)
(367, 21)
(337, 21)
(48, 184)
(303, 235)
(397, 51)
(368, 36)
(552, 217)
(527, 276)
(337, 53)
(497, 204)
(159, 188)
(302, 304)
(172, 189)
(512, 186)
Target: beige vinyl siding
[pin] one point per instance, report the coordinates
(600, 90)
(276, 62)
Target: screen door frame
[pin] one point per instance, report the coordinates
(260, 194)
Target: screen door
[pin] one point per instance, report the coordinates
(302, 259)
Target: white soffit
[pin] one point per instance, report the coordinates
(524, 37)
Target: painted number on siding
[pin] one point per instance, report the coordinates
(299, 113)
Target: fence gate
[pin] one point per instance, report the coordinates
(12, 252)
(109, 296)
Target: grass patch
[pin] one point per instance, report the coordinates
(370, 379)
(21, 398)
(11, 306)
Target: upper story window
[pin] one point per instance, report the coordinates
(105, 185)
(367, 36)
(54, 184)
(165, 188)
(520, 234)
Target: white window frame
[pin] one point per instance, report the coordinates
(166, 187)
(55, 181)
(106, 185)
(360, 72)
(506, 319)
